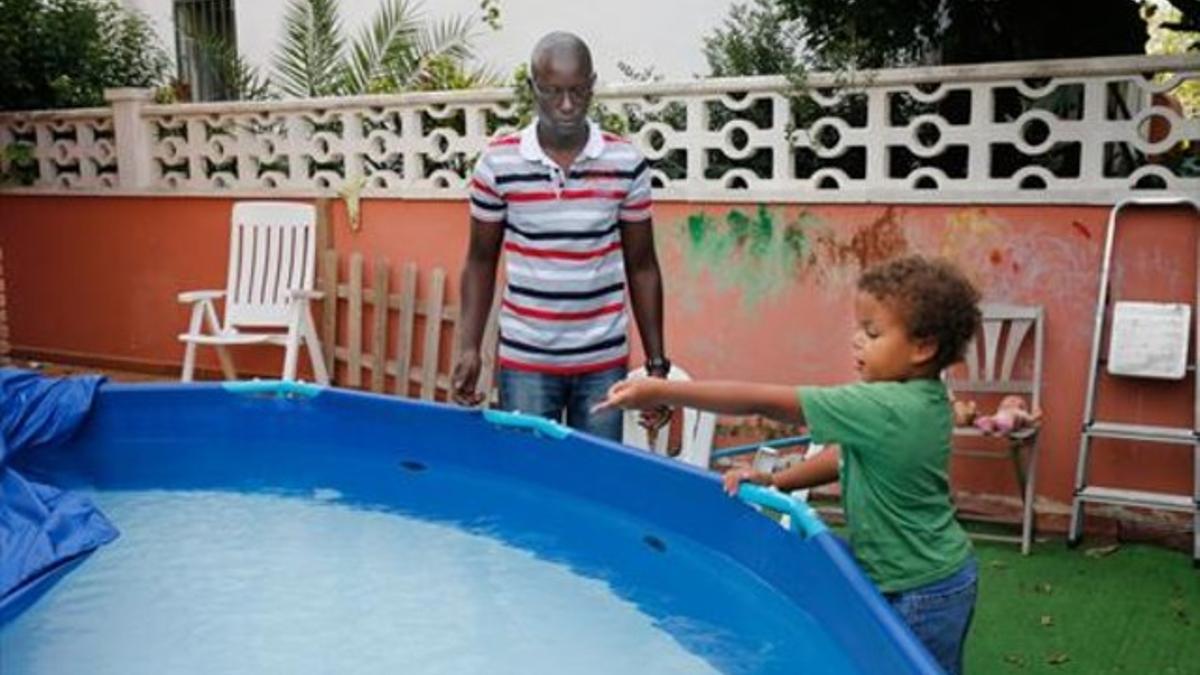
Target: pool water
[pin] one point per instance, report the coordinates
(458, 572)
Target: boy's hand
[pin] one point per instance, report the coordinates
(639, 394)
(735, 477)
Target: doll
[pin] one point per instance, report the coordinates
(1012, 414)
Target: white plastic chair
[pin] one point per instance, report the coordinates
(698, 428)
(272, 260)
(989, 369)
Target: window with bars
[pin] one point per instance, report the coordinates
(205, 48)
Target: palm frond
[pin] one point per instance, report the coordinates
(483, 75)
(442, 74)
(447, 41)
(309, 61)
(239, 79)
(388, 40)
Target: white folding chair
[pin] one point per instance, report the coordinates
(272, 261)
(697, 433)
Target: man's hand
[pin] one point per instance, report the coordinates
(640, 394)
(464, 379)
(655, 418)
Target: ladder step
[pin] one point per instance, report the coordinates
(1162, 500)
(1141, 432)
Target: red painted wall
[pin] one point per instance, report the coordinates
(97, 277)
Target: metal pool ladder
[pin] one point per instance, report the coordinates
(1093, 428)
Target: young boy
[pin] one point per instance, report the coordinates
(915, 317)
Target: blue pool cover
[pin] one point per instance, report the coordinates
(42, 528)
(195, 436)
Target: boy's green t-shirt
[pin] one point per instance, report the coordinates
(895, 440)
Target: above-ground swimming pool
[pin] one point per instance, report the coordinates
(275, 527)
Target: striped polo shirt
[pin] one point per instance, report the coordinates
(563, 310)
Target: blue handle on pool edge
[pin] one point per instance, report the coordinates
(277, 387)
(804, 519)
(533, 423)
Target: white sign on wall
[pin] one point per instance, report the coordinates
(1149, 339)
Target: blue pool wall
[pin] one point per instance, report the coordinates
(373, 433)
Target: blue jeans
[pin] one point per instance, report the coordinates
(551, 396)
(940, 614)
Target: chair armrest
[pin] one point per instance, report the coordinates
(301, 294)
(197, 296)
(1024, 433)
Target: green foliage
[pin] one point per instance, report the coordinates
(438, 53)
(791, 37)
(396, 51)
(17, 165)
(872, 34)
(523, 104)
(1165, 40)
(760, 38)
(441, 73)
(756, 39)
(1164, 24)
(1183, 22)
(244, 81)
(383, 47)
(309, 61)
(781, 36)
(891, 33)
(64, 53)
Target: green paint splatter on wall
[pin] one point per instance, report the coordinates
(761, 253)
(756, 252)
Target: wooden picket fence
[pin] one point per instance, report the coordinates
(408, 328)
(5, 347)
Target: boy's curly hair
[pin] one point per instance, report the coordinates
(934, 299)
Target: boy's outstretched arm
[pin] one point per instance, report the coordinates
(779, 402)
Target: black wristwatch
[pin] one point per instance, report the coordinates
(659, 366)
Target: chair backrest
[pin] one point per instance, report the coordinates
(272, 251)
(990, 363)
(697, 431)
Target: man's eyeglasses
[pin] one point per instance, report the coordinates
(578, 93)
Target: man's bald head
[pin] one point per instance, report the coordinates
(561, 51)
(561, 77)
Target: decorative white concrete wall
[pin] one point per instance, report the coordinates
(1073, 131)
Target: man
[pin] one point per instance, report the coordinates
(570, 206)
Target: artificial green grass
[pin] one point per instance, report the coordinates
(1134, 610)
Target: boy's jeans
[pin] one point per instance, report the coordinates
(550, 395)
(940, 614)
